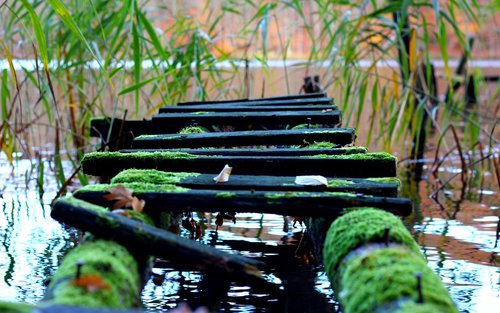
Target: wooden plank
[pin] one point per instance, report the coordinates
(257, 151)
(151, 240)
(270, 99)
(340, 136)
(173, 122)
(356, 166)
(314, 204)
(244, 107)
(389, 187)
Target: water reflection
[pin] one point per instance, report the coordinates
(458, 231)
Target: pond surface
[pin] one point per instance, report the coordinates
(458, 232)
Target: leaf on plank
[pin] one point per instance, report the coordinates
(91, 282)
(124, 198)
(223, 175)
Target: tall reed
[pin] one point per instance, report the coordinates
(104, 57)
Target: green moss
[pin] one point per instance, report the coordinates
(380, 156)
(150, 176)
(83, 204)
(108, 260)
(321, 145)
(328, 131)
(9, 307)
(138, 188)
(335, 183)
(305, 126)
(145, 157)
(359, 227)
(99, 209)
(201, 113)
(385, 276)
(389, 180)
(225, 194)
(193, 130)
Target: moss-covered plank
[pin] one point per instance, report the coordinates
(319, 204)
(375, 266)
(340, 136)
(248, 182)
(11, 307)
(353, 165)
(173, 122)
(260, 151)
(150, 240)
(314, 98)
(245, 107)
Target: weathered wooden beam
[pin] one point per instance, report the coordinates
(373, 261)
(355, 165)
(340, 136)
(299, 98)
(169, 198)
(173, 122)
(151, 240)
(291, 152)
(375, 186)
(243, 107)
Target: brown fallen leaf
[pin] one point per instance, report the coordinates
(124, 198)
(223, 175)
(91, 282)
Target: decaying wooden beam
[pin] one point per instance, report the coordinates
(371, 186)
(170, 198)
(377, 164)
(340, 136)
(154, 241)
(173, 122)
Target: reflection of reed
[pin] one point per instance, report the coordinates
(455, 249)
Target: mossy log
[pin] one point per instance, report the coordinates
(11, 307)
(354, 165)
(318, 204)
(246, 108)
(340, 136)
(375, 266)
(97, 273)
(150, 240)
(314, 98)
(173, 122)
(259, 151)
(388, 187)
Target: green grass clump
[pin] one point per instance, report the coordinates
(386, 276)
(106, 259)
(359, 227)
(193, 130)
(150, 177)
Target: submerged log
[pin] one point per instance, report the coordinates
(150, 240)
(374, 263)
(317, 204)
(374, 186)
(340, 136)
(355, 165)
(173, 122)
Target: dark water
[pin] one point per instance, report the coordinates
(459, 235)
